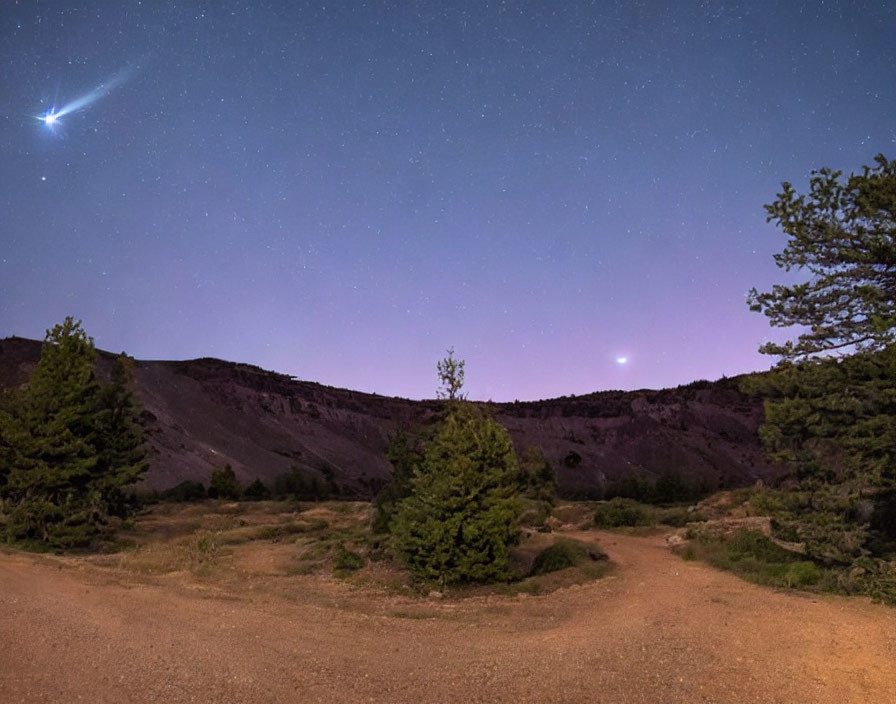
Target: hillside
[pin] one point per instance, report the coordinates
(205, 413)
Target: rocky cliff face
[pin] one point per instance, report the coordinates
(205, 413)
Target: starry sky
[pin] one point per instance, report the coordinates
(342, 190)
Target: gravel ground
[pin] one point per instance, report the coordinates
(657, 630)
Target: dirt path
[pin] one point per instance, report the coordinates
(657, 630)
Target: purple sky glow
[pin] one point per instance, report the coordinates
(340, 191)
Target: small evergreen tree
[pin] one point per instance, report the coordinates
(257, 491)
(462, 513)
(224, 485)
(451, 377)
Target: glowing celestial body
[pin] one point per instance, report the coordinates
(621, 360)
(51, 117)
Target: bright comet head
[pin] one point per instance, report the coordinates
(50, 118)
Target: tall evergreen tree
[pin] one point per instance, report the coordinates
(831, 402)
(843, 235)
(69, 443)
(118, 441)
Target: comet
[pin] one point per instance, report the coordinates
(51, 117)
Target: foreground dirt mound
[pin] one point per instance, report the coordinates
(659, 630)
(205, 413)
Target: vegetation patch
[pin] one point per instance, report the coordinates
(618, 512)
(627, 513)
(347, 560)
(283, 530)
(755, 557)
(565, 553)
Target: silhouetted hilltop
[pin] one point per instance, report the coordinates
(204, 413)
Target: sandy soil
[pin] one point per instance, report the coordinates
(657, 630)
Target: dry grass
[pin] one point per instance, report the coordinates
(272, 544)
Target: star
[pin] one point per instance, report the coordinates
(50, 118)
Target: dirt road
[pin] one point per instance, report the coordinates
(657, 630)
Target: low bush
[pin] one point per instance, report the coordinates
(618, 513)
(803, 574)
(756, 558)
(564, 553)
(347, 560)
(748, 544)
(282, 530)
(678, 517)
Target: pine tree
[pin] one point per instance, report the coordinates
(118, 440)
(831, 403)
(69, 444)
(451, 377)
(843, 235)
(224, 484)
(462, 513)
(833, 424)
(257, 491)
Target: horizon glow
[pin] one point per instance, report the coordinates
(341, 191)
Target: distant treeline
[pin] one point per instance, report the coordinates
(669, 488)
(298, 483)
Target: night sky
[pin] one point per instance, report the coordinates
(341, 190)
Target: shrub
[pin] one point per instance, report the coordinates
(803, 574)
(347, 560)
(562, 554)
(257, 491)
(281, 530)
(618, 512)
(678, 517)
(749, 544)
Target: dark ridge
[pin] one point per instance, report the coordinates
(204, 413)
